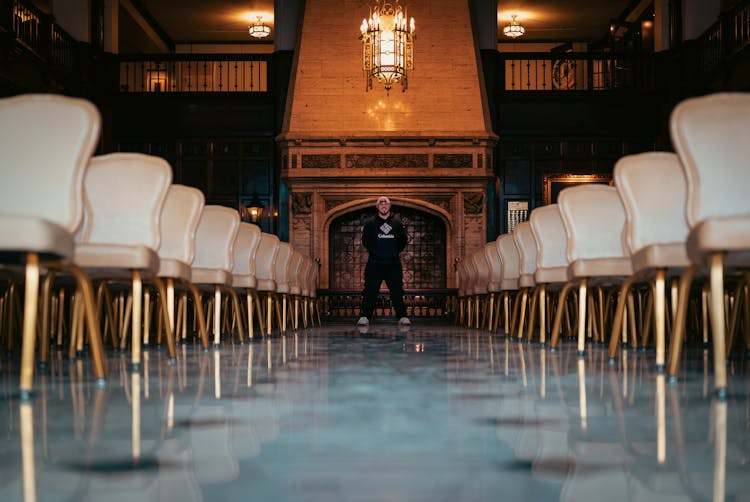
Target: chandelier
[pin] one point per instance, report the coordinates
(514, 29)
(258, 29)
(387, 45)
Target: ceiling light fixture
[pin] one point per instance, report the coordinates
(514, 29)
(259, 29)
(387, 45)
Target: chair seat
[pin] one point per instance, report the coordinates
(295, 290)
(669, 255)
(551, 274)
(282, 287)
(597, 267)
(247, 281)
(266, 285)
(730, 233)
(175, 269)
(211, 276)
(117, 256)
(27, 233)
(526, 281)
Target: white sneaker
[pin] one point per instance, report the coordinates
(363, 321)
(404, 321)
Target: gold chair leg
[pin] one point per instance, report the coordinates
(165, 315)
(95, 337)
(135, 331)
(718, 328)
(217, 316)
(582, 299)
(617, 323)
(202, 327)
(237, 313)
(660, 312)
(532, 313)
(678, 326)
(31, 298)
(543, 314)
(45, 334)
(557, 323)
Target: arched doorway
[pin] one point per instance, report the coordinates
(424, 258)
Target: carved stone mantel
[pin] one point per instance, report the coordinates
(447, 178)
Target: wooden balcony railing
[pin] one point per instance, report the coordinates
(575, 71)
(194, 73)
(725, 38)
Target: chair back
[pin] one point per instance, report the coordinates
(594, 220)
(550, 237)
(294, 270)
(215, 237)
(179, 221)
(47, 141)
(709, 134)
(282, 267)
(245, 247)
(506, 247)
(265, 262)
(496, 266)
(526, 244)
(482, 267)
(304, 274)
(124, 194)
(653, 190)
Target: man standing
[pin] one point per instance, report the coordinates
(384, 237)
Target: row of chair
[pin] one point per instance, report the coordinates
(119, 222)
(614, 249)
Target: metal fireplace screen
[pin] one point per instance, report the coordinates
(423, 259)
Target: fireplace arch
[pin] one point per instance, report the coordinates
(425, 258)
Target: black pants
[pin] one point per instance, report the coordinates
(375, 274)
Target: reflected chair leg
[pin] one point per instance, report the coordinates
(718, 328)
(31, 299)
(202, 328)
(168, 321)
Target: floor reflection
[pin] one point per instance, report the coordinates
(430, 413)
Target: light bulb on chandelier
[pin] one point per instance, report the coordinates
(515, 29)
(259, 29)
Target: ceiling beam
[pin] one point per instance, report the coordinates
(148, 24)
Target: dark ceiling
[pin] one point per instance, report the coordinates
(222, 21)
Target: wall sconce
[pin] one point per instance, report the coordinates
(252, 211)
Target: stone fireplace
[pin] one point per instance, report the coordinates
(429, 148)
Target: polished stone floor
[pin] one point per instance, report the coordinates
(431, 413)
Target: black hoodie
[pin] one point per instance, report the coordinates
(384, 238)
